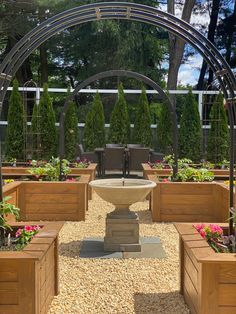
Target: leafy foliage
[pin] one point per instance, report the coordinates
(46, 125)
(218, 138)
(142, 127)
(119, 123)
(16, 124)
(164, 130)
(94, 130)
(190, 130)
(192, 174)
(71, 131)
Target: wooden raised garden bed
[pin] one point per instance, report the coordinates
(148, 170)
(14, 172)
(29, 278)
(189, 201)
(208, 279)
(50, 201)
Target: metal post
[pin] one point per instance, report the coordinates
(1, 181)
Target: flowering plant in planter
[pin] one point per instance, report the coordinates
(80, 163)
(214, 235)
(24, 235)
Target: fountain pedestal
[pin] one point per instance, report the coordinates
(122, 231)
(122, 225)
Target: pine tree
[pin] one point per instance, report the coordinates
(71, 131)
(46, 125)
(218, 138)
(119, 121)
(89, 131)
(34, 131)
(165, 130)
(142, 126)
(94, 130)
(16, 125)
(190, 130)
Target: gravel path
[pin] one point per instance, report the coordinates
(123, 286)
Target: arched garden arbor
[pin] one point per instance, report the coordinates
(122, 73)
(131, 12)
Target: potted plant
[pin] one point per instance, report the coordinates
(208, 268)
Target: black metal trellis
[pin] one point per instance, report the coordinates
(132, 12)
(124, 73)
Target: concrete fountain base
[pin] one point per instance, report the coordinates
(151, 247)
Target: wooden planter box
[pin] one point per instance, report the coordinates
(208, 279)
(12, 172)
(29, 278)
(147, 170)
(50, 201)
(189, 201)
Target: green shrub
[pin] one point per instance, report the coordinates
(196, 175)
(190, 130)
(16, 124)
(46, 125)
(119, 122)
(165, 130)
(94, 130)
(71, 131)
(142, 126)
(218, 138)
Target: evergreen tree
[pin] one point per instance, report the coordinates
(142, 126)
(89, 131)
(16, 125)
(218, 138)
(35, 132)
(190, 130)
(165, 130)
(94, 130)
(46, 125)
(71, 131)
(119, 122)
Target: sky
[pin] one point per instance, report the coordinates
(189, 72)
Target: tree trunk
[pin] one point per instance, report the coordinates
(211, 36)
(229, 40)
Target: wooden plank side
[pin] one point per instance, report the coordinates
(226, 310)
(155, 204)
(191, 290)
(187, 188)
(185, 218)
(47, 198)
(227, 273)
(188, 208)
(189, 302)
(227, 293)
(191, 270)
(187, 199)
(51, 208)
(50, 187)
(51, 217)
(9, 293)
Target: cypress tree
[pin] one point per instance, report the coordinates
(119, 121)
(165, 130)
(190, 130)
(46, 125)
(16, 125)
(94, 130)
(89, 131)
(34, 131)
(142, 126)
(218, 138)
(71, 131)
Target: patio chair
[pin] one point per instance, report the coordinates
(154, 156)
(134, 145)
(113, 159)
(91, 156)
(114, 145)
(137, 156)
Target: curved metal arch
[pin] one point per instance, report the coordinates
(124, 73)
(132, 12)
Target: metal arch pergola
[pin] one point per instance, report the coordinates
(131, 12)
(129, 74)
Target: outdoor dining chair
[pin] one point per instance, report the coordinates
(90, 156)
(114, 145)
(136, 156)
(113, 159)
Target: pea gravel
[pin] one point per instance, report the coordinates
(124, 286)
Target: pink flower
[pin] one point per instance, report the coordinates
(28, 228)
(18, 233)
(199, 227)
(202, 233)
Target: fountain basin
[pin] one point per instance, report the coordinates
(122, 225)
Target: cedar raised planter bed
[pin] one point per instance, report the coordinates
(29, 278)
(148, 170)
(13, 172)
(189, 201)
(208, 279)
(50, 201)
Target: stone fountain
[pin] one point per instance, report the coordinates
(122, 225)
